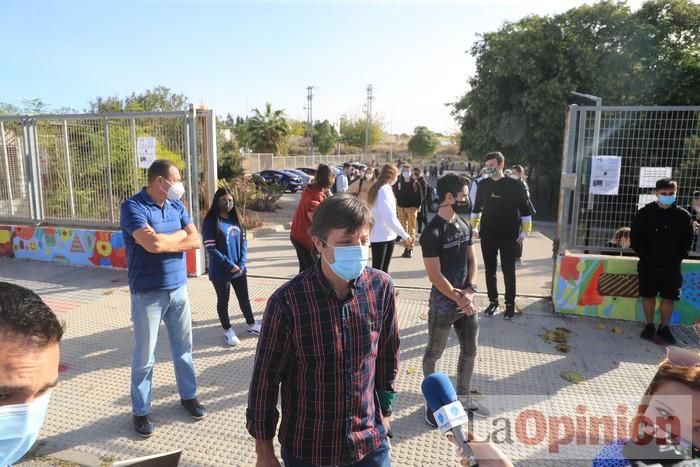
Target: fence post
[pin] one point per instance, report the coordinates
(581, 143)
(69, 170)
(37, 202)
(8, 179)
(110, 196)
(212, 158)
(134, 144)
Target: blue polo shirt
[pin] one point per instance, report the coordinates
(149, 272)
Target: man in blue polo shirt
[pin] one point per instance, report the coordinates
(157, 232)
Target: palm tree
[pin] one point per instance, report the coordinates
(268, 130)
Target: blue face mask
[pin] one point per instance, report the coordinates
(350, 261)
(19, 428)
(667, 200)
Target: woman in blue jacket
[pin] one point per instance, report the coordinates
(226, 244)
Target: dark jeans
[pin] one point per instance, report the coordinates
(240, 286)
(467, 329)
(381, 255)
(377, 458)
(307, 258)
(491, 245)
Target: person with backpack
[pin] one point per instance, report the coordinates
(227, 247)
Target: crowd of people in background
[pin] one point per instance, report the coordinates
(329, 340)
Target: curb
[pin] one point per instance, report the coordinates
(271, 229)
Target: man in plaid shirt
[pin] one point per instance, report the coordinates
(330, 338)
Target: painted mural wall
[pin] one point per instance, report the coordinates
(608, 287)
(69, 246)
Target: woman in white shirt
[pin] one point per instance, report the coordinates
(386, 227)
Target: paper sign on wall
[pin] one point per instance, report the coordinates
(146, 148)
(649, 175)
(605, 175)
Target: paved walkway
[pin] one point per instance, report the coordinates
(90, 413)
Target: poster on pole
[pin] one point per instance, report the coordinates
(605, 175)
(146, 148)
(649, 175)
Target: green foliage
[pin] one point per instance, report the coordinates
(353, 130)
(423, 142)
(268, 130)
(229, 158)
(526, 70)
(9, 109)
(325, 136)
(158, 99)
(297, 128)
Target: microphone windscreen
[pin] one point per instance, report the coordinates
(438, 391)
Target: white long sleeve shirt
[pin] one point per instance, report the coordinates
(341, 183)
(386, 225)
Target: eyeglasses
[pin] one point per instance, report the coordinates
(683, 357)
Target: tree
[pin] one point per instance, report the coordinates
(297, 128)
(352, 131)
(423, 142)
(158, 99)
(325, 136)
(268, 130)
(242, 133)
(9, 109)
(526, 70)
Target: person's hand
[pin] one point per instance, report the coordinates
(268, 461)
(465, 303)
(520, 239)
(236, 270)
(696, 227)
(409, 240)
(387, 424)
(486, 454)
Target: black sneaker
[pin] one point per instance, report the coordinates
(491, 309)
(430, 418)
(648, 332)
(143, 426)
(509, 313)
(194, 408)
(405, 253)
(664, 334)
(409, 253)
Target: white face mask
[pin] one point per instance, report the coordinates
(175, 191)
(368, 175)
(19, 427)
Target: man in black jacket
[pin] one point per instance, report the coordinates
(409, 197)
(661, 235)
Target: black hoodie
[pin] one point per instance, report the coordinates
(661, 236)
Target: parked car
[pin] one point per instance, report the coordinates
(289, 180)
(305, 178)
(307, 170)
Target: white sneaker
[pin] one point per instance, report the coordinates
(254, 328)
(231, 338)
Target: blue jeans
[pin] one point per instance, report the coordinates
(377, 458)
(147, 311)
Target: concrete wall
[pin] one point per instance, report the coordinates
(69, 246)
(608, 287)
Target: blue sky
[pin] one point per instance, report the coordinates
(234, 55)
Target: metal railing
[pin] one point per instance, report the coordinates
(78, 169)
(612, 159)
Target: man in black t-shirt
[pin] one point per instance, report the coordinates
(448, 255)
(501, 206)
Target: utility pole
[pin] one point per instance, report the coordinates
(309, 118)
(368, 108)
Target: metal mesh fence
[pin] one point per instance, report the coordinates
(14, 194)
(620, 153)
(78, 169)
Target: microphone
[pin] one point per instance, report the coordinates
(448, 411)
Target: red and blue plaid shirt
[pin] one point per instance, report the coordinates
(331, 357)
